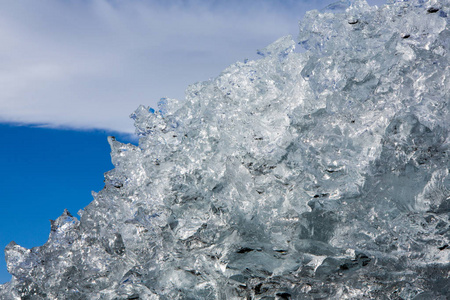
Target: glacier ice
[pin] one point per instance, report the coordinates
(314, 175)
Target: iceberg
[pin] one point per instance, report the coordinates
(321, 174)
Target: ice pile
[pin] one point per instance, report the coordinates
(315, 175)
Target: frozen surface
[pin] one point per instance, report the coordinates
(315, 175)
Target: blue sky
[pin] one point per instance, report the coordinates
(72, 72)
(42, 172)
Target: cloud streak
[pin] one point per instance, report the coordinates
(89, 64)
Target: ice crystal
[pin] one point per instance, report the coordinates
(314, 175)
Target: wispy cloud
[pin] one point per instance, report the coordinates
(89, 64)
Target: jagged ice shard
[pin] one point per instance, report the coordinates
(315, 175)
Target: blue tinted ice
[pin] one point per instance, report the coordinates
(315, 175)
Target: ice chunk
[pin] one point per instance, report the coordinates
(314, 175)
(281, 47)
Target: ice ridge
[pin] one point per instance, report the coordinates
(314, 175)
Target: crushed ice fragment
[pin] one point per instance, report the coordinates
(281, 47)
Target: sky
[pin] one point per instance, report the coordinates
(72, 71)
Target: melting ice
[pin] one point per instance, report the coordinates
(315, 175)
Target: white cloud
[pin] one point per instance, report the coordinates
(89, 64)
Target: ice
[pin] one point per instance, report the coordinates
(314, 175)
